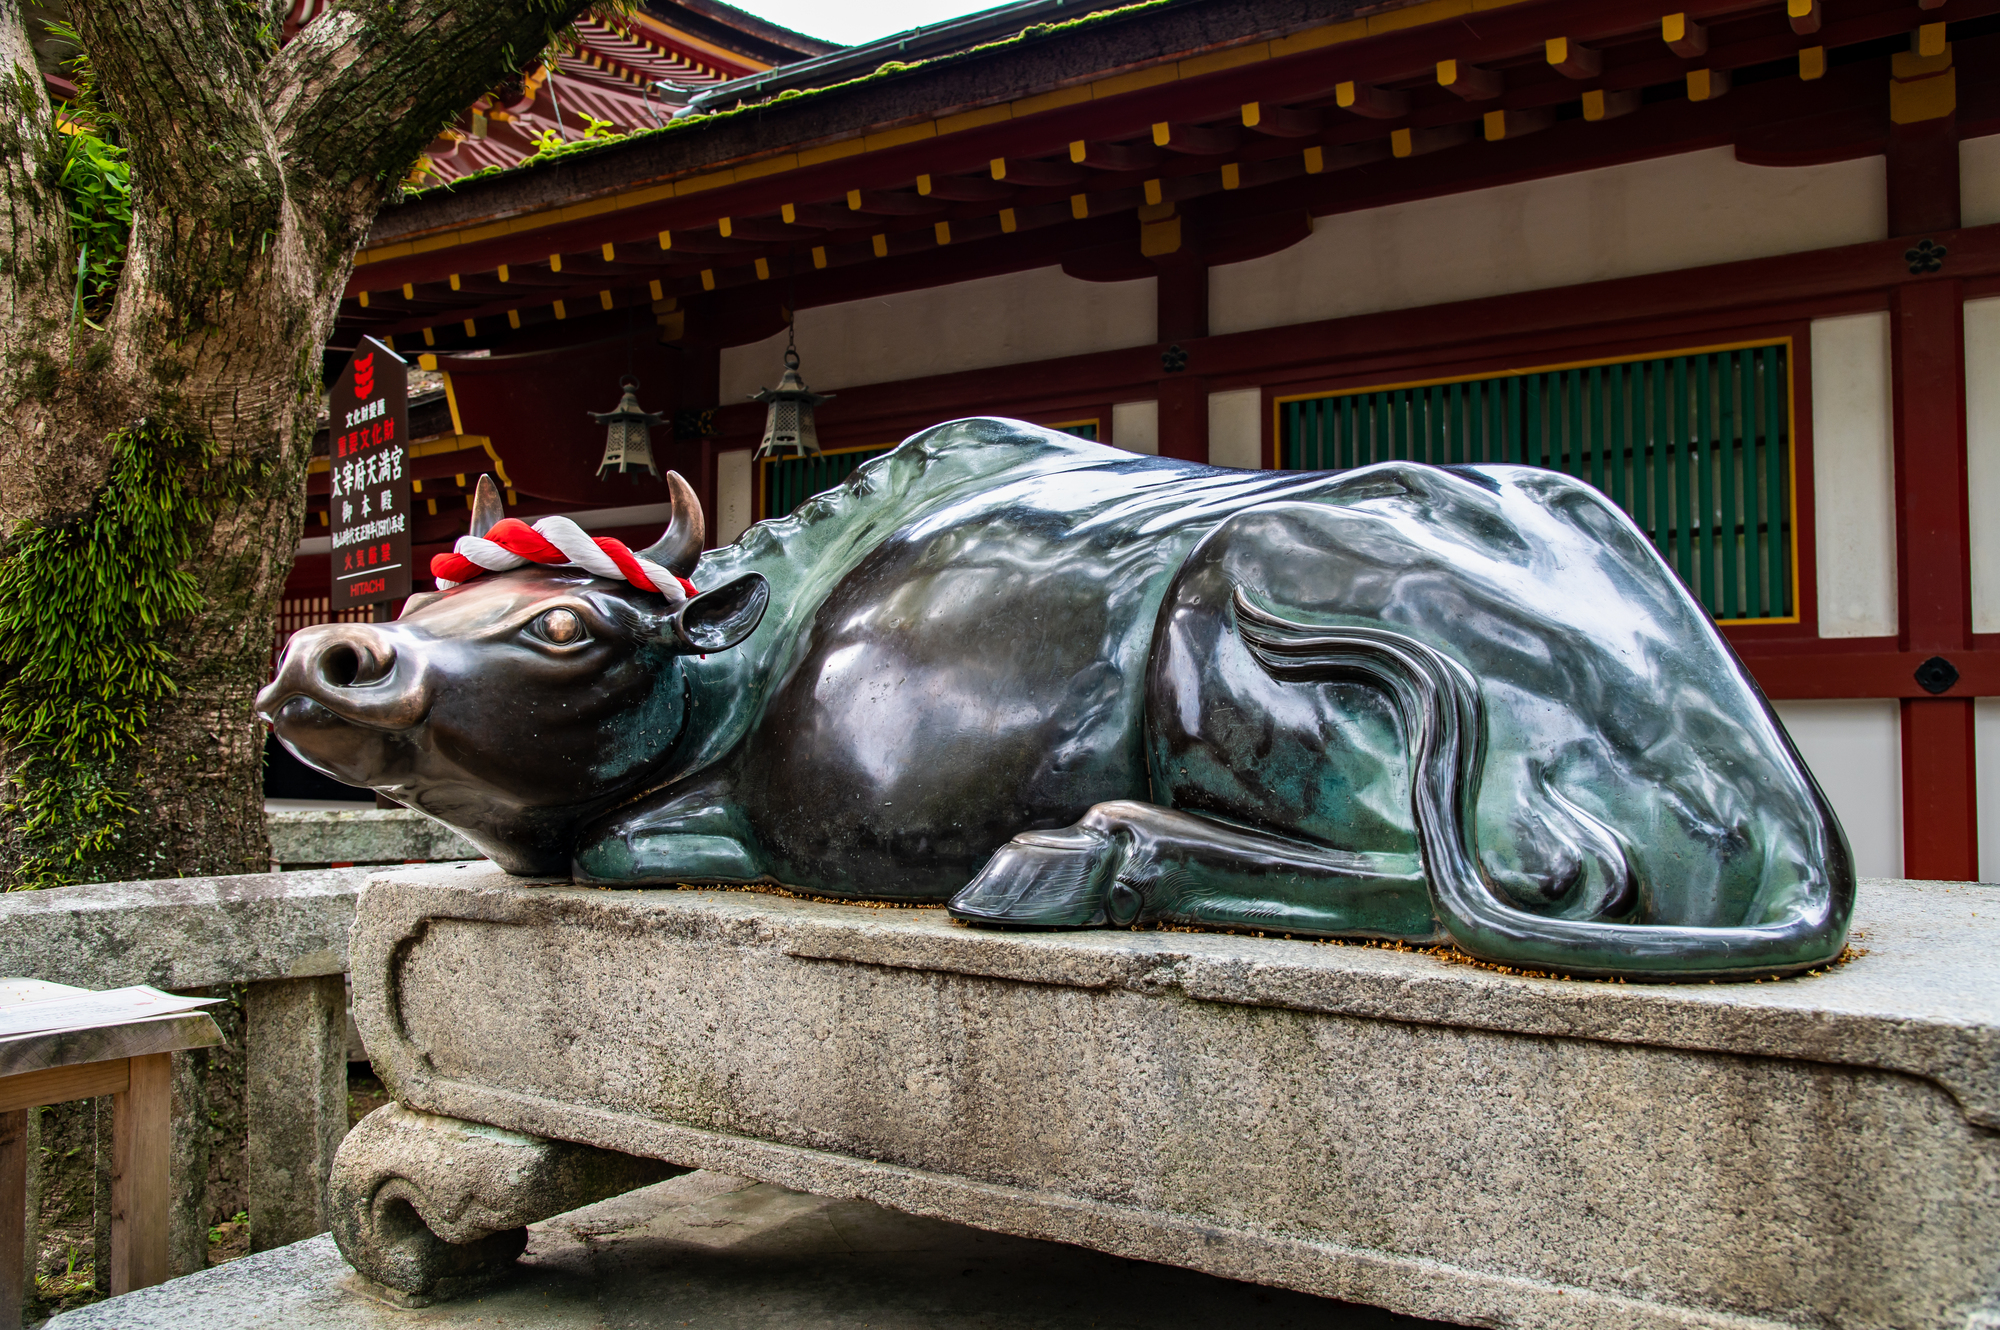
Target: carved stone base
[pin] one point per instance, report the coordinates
(430, 1207)
(1363, 1123)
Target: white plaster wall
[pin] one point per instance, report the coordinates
(1021, 316)
(1235, 428)
(1135, 427)
(1979, 180)
(1986, 771)
(1854, 483)
(1982, 455)
(1855, 750)
(1618, 221)
(734, 494)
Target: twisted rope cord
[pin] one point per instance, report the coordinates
(512, 543)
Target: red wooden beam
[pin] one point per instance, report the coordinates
(1933, 575)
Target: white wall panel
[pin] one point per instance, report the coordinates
(1979, 180)
(734, 493)
(1986, 771)
(1854, 481)
(1982, 455)
(1618, 221)
(1236, 428)
(1005, 320)
(1135, 427)
(1855, 750)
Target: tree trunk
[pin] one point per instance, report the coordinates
(175, 441)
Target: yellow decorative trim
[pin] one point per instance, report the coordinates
(1137, 81)
(769, 166)
(1434, 11)
(831, 152)
(701, 183)
(1912, 101)
(1313, 39)
(1051, 101)
(1217, 61)
(896, 138)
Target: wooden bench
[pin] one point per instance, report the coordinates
(128, 1059)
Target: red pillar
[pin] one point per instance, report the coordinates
(1182, 295)
(1933, 556)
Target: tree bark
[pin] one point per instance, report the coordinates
(256, 172)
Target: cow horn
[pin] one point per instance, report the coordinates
(486, 509)
(680, 548)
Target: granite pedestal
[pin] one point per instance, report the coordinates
(1361, 1123)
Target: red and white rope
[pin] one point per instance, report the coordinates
(555, 541)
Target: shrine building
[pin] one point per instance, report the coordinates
(1738, 265)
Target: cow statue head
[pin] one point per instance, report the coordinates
(520, 703)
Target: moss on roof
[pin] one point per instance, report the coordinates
(888, 69)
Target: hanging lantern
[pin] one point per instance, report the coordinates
(628, 440)
(788, 428)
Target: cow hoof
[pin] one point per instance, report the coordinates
(1047, 879)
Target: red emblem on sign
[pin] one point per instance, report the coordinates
(364, 376)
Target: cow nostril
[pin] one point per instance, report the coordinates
(340, 667)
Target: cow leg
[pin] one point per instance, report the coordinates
(688, 835)
(1127, 862)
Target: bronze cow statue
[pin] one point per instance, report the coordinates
(1061, 685)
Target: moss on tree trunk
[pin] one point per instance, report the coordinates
(151, 474)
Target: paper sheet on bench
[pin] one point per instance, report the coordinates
(33, 1006)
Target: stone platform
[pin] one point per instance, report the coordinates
(723, 1253)
(1358, 1123)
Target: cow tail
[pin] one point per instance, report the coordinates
(1437, 704)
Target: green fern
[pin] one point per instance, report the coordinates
(86, 612)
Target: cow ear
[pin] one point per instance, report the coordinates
(486, 509)
(417, 601)
(719, 619)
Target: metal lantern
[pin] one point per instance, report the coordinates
(788, 427)
(628, 439)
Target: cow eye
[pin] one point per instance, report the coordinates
(561, 628)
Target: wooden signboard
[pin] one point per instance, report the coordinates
(368, 425)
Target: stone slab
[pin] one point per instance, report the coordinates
(362, 836)
(724, 1253)
(1357, 1122)
(182, 933)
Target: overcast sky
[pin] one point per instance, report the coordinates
(852, 22)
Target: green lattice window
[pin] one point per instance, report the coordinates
(790, 481)
(1696, 447)
(787, 482)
